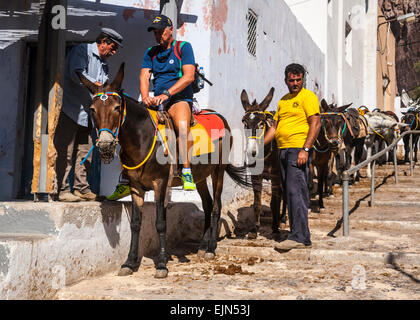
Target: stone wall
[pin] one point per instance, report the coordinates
(407, 40)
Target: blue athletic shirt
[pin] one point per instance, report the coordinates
(167, 69)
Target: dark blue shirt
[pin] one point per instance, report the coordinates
(85, 59)
(167, 68)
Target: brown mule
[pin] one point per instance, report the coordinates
(118, 117)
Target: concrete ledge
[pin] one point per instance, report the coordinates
(45, 246)
(54, 244)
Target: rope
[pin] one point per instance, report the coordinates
(147, 157)
(321, 151)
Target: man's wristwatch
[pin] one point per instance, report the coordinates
(166, 93)
(306, 149)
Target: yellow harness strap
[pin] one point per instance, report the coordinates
(147, 157)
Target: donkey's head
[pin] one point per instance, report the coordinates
(329, 136)
(107, 112)
(412, 118)
(255, 121)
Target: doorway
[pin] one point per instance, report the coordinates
(24, 191)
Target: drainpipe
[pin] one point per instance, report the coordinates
(340, 52)
(50, 69)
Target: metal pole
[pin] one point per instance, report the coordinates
(395, 165)
(345, 204)
(411, 154)
(372, 185)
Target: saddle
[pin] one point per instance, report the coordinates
(206, 127)
(357, 122)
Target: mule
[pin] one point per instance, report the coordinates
(412, 118)
(380, 143)
(352, 131)
(381, 125)
(326, 148)
(256, 122)
(119, 118)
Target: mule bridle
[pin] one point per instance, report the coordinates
(323, 127)
(258, 138)
(123, 114)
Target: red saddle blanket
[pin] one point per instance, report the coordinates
(212, 123)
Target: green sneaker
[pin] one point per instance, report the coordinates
(188, 180)
(121, 191)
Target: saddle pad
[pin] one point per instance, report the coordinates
(202, 142)
(363, 127)
(212, 123)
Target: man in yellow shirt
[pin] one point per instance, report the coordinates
(296, 126)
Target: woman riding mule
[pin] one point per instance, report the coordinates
(120, 118)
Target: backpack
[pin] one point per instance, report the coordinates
(177, 51)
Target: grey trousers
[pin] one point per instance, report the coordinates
(72, 143)
(297, 193)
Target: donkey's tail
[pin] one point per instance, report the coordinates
(239, 175)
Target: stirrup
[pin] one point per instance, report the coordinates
(162, 117)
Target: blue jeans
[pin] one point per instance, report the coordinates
(295, 181)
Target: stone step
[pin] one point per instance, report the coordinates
(328, 221)
(377, 202)
(319, 255)
(388, 189)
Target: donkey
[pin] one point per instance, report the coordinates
(256, 121)
(117, 117)
(412, 118)
(381, 125)
(380, 143)
(326, 148)
(352, 130)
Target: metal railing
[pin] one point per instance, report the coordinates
(372, 159)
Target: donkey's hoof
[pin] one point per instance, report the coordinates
(209, 256)
(125, 272)
(252, 235)
(201, 254)
(161, 273)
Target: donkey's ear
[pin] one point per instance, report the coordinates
(324, 105)
(245, 100)
(343, 108)
(266, 102)
(93, 88)
(116, 84)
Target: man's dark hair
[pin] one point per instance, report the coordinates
(295, 69)
(103, 36)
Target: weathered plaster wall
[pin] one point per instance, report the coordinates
(218, 32)
(9, 91)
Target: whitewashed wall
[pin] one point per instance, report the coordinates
(325, 22)
(218, 31)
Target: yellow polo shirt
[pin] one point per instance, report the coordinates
(292, 116)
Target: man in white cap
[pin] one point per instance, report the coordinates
(72, 138)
